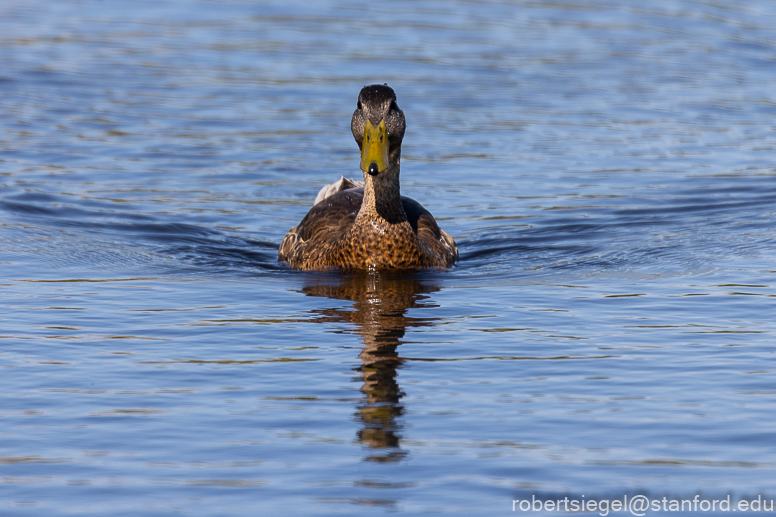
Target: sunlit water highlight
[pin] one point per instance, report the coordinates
(606, 169)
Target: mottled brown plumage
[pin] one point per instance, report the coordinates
(373, 227)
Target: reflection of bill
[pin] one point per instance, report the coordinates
(380, 302)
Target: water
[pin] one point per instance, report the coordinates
(606, 169)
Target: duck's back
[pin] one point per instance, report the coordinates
(327, 224)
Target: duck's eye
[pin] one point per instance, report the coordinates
(394, 106)
(359, 105)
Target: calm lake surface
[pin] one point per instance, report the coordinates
(607, 169)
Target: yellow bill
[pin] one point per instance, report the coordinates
(374, 148)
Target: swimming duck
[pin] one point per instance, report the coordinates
(371, 227)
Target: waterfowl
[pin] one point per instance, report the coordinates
(372, 227)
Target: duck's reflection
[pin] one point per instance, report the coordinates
(379, 312)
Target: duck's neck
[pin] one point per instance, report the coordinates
(382, 197)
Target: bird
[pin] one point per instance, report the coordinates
(370, 227)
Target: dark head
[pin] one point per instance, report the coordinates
(378, 127)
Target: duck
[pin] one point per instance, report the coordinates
(370, 226)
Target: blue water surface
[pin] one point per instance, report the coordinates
(606, 168)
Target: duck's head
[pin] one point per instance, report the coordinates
(378, 127)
